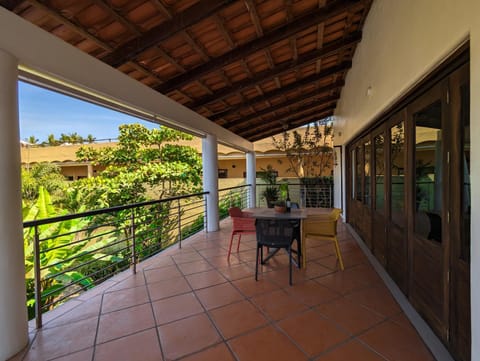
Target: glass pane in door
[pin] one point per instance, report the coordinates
(397, 169)
(466, 193)
(367, 170)
(379, 144)
(429, 171)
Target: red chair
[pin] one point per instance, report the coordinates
(241, 224)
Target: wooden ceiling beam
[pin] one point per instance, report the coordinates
(118, 17)
(295, 115)
(243, 51)
(304, 97)
(250, 5)
(223, 30)
(282, 68)
(277, 92)
(274, 130)
(152, 37)
(10, 4)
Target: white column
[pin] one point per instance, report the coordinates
(252, 178)
(337, 177)
(89, 170)
(13, 314)
(210, 180)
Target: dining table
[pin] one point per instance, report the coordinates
(299, 214)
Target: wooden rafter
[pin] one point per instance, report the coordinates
(301, 112)
(254, 16)
(10, 4)
(118, 17)
(253, 46)
(278, 92)
(276, 129)
(302, 98)
(221, 27)
(282, 68)
(190, 16)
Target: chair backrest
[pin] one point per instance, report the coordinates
(335, 213)
(235, 212)
(276, 232)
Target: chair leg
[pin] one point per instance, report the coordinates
(239, 238)
(256, 264)
(339, 255)
(230, 247)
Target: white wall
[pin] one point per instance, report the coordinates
(403, 41)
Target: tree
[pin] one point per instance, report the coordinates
(309, 153)
(145, 164)
(46, 175)
(32, 139)
(90, 139)
(51, 140)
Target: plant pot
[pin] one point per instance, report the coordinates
(280, 209)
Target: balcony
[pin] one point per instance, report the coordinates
(189, 303)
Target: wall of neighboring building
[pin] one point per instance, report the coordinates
(402, 42)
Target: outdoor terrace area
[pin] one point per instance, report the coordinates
(192, 304)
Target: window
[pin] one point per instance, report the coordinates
(397, 167)
(222, 173)
(367, 171)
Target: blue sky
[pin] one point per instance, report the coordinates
(43, 112)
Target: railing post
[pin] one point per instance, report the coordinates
(179, 225)
(134, 244)
(38, 281)
(205, 224)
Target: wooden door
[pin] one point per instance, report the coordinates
(429, 215)
(397, 245)
(379, 196)
(459, 94)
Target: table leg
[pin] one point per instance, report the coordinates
(303, 242)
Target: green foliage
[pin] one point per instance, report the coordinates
(64, 248)
(142, 158)
(46, 175)
(310, 153)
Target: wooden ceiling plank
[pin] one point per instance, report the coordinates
(297, 114)
(250, 5)
(163, 9)
(243, 51)
(278, 92)
(282, 68)
(171, 60)
(192, 15)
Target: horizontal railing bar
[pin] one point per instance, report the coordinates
(67, 217)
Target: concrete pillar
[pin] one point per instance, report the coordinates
(13, 313)
(210, 180)
(89, 170)
(252, 178)
(337, 177)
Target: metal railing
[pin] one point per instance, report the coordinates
(71, 254)
(306, 195)
(233, 197)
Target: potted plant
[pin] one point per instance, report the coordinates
(271, 192)
(271, 195)
(280, 206)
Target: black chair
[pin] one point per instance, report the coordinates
(277, 234)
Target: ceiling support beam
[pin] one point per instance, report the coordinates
(312, 97)
(278, 92)
(275, 130)
(179, 22)
(282, 68)
(243, 51)
(286, 120)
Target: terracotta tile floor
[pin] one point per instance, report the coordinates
(191, 304)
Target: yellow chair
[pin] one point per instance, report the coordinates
(324, 227)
